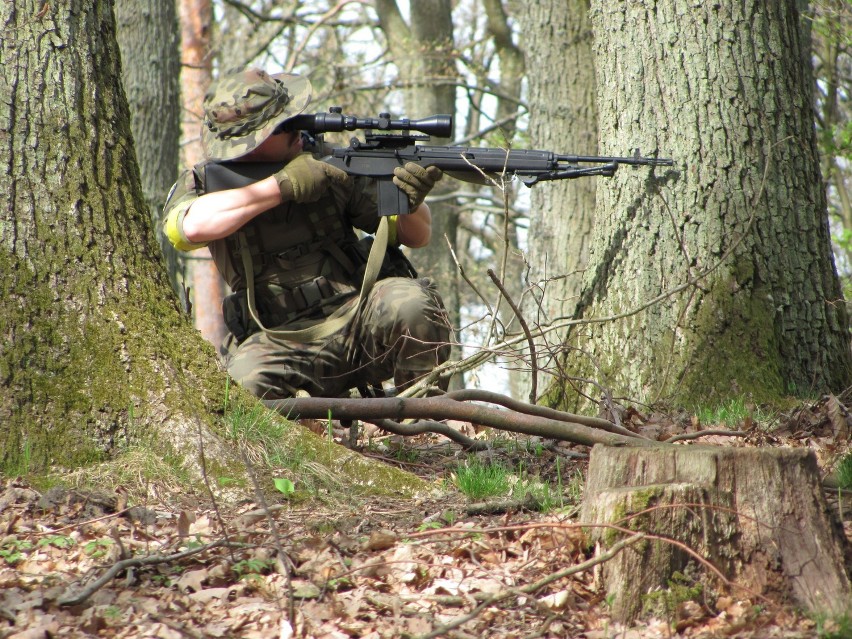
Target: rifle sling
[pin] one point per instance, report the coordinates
(339, 318)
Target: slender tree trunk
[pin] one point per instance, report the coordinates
(834, 62)
(207, 286)
(148, 38)
(723, 89)
(512, 67)
(423, 52)
(563, 118)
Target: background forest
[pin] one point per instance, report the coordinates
(514, 76)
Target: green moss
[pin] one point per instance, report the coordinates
(729, 348)
(664, 603)
(360, 475)
(83, 386)
(739, 357)
(272, 442)
(79, 381)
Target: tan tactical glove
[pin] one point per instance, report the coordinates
(305, 179)
(416, 182)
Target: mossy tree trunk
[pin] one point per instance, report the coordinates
(726, 91)
(96, 351)
(563, 118)
(97, 359)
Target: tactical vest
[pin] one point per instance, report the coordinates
(306, 261)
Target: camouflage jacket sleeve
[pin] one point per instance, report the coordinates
(180, 198)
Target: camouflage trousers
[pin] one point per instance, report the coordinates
(401, 332)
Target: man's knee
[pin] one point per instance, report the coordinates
(247, 374)
(414, 306)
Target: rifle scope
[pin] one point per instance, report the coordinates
(438, 125)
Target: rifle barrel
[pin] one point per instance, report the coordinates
(634, 160)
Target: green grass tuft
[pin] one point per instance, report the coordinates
(844, 472)
(732, 414)
(477, 480)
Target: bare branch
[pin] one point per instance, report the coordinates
(437, 408)
(526, 329)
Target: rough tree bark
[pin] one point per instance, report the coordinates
(758, 515)
(726, 91)
(147, 33)
(563, 118)
(97, 358)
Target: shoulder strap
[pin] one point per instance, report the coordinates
(339, 318)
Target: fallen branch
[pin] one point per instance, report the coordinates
(476, 395)
(530, 502)
(438, 408)
(705, 433)
(429, 426)
(134, 562)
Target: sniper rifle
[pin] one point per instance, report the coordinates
(378, 154)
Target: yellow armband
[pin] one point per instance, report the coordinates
(173, 228)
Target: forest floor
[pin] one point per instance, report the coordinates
(338, 566)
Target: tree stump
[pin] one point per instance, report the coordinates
(758, 515)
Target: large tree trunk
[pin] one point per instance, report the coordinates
(95, 342)
(97, 358)
(147, 33)
(833, 63)
(723, 89)
(563, 118)
(758, 515)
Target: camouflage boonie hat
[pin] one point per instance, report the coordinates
(242, 109)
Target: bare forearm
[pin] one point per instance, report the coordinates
(415, 229)
(216, 215)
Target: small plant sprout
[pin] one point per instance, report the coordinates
(844, 472)
(844, 479)
(284, 486)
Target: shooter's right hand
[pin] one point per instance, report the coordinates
(305, 179)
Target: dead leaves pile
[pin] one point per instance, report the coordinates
(360, 572)
(376, 569)
(312, 580)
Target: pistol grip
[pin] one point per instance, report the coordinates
(392, 199)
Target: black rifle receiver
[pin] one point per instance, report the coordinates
(380, 153)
